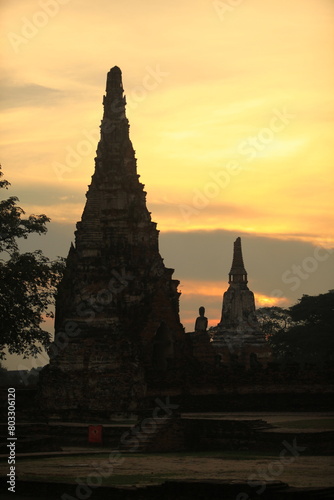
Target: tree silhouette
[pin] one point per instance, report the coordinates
(304, 332)
(28, 281)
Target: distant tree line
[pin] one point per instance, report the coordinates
(303, 333)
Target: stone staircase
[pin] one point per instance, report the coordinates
(172, 433)
(154, 434)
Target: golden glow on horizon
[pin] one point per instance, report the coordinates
(216, 290)
(267, 301)
(210, 290)
(207, 288)
(190, 322)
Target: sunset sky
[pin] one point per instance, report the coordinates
(230, 106)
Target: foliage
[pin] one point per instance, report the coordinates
(13, 226)
(27, 281)
(311, 336)
(273, 320)
(315, 311)
(304, 332)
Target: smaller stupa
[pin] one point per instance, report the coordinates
(238, 338)
(238, 311)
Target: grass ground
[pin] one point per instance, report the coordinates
(156, 468)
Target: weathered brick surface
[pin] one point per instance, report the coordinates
(117, 311)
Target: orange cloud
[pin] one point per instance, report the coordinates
(262, 300)
(213, 290)
(204, 288)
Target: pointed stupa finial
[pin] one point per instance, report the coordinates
(238, 273)
(115, 125)
(114, 80)
(114, 101)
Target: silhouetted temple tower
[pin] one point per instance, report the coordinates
(238, 339)
(116, 296)
(238, 273)
(238, 302)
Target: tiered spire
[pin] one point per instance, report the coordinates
(116, 243)
(238, 273)
(238, 302)
(115, 149)
(115, 213)
(238, 339)
(116, 289)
